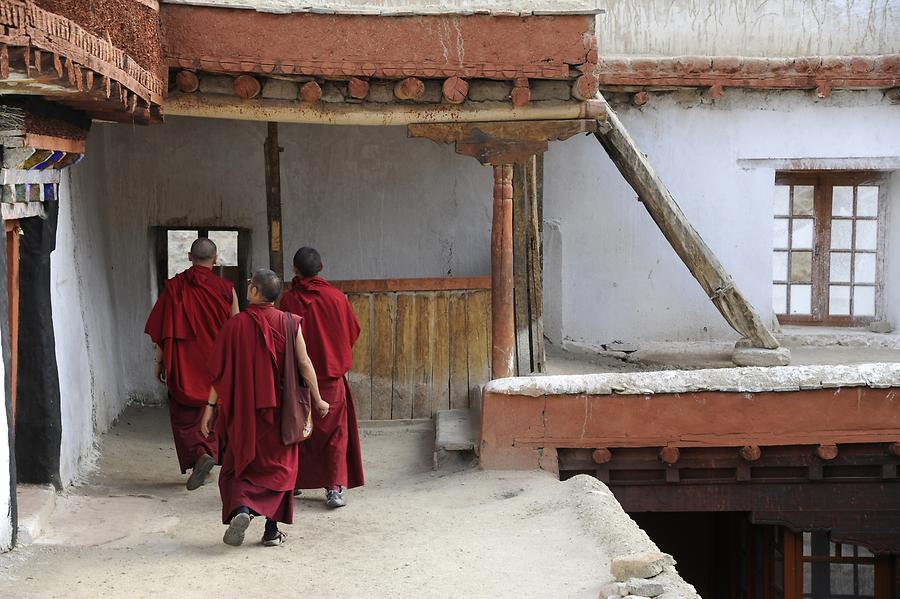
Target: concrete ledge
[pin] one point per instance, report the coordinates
(525, 420)
(880, 375)
(35, 506)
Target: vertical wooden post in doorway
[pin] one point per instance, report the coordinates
(13, 230)
(273, 199)
(503, 333)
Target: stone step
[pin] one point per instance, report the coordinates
(455, 431)
(35, 505)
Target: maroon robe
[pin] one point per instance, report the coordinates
(184, 322)
(258, 470)
(332, 456)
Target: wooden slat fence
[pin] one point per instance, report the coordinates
(424, 346)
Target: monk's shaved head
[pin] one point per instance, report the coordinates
(203, 250)
(308, 262)
(268, 284)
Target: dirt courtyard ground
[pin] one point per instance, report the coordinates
(131, 530)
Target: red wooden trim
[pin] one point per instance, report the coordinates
(50, 142)
(484, 46)
(420, 284)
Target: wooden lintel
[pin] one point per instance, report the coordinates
(502, 152)
(502, 142)
(512, 131)
(49, 142)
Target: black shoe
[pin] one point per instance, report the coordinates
(202, 467)
(298, 492)
(274, 540)
(234, 536)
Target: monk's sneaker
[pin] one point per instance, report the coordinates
(334, 499)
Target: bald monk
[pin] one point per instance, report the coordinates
(331, 458)
(183, 324)
(247, 361)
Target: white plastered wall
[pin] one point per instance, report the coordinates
(6, 523)
(737, 27)
(621, 279)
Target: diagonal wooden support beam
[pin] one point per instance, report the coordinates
(687, 243)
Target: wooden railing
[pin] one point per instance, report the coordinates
(424, 345)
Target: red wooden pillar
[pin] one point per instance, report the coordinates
(503, 327)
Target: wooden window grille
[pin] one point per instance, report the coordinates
(828, 243)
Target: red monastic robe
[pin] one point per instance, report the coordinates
(332, 455)
(188, 315)
(258, 470)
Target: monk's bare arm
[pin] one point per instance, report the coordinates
(234, 303)
(208, 411)
(158, 367)
(308, 371)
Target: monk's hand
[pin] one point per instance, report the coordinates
(159, 372)
(206, 420)
(322, 407)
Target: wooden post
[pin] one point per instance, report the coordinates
(503, 333)
(535, 172)
(520, 218)
(273, 199)
(13, 230)
(687, 243)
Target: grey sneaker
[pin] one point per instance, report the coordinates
(234, 535)
(334, 499)
(201, 469)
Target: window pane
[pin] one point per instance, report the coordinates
(802, 233)
(841, 234)
(866, 573)
(782, 200)
(863, 301)
(842, 201)
(178, 246)
(801, 299)
(864, 268)
(863, 552)
(226, 243)
(779, 266)
(779, 299)
(780, 233)
(803, 200)
(839, 300)
(866, 234)
(801, 267)
(867, 201)
(807, 543)
(840, 267)
(842, 579)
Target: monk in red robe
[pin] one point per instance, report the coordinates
(184, 322)
(247, 361)
(331, 458)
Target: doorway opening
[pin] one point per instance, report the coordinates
(725, 555)
(233, 244)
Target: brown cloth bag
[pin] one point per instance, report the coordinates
(296, 402)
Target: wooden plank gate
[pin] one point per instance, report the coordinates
(425, 345)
